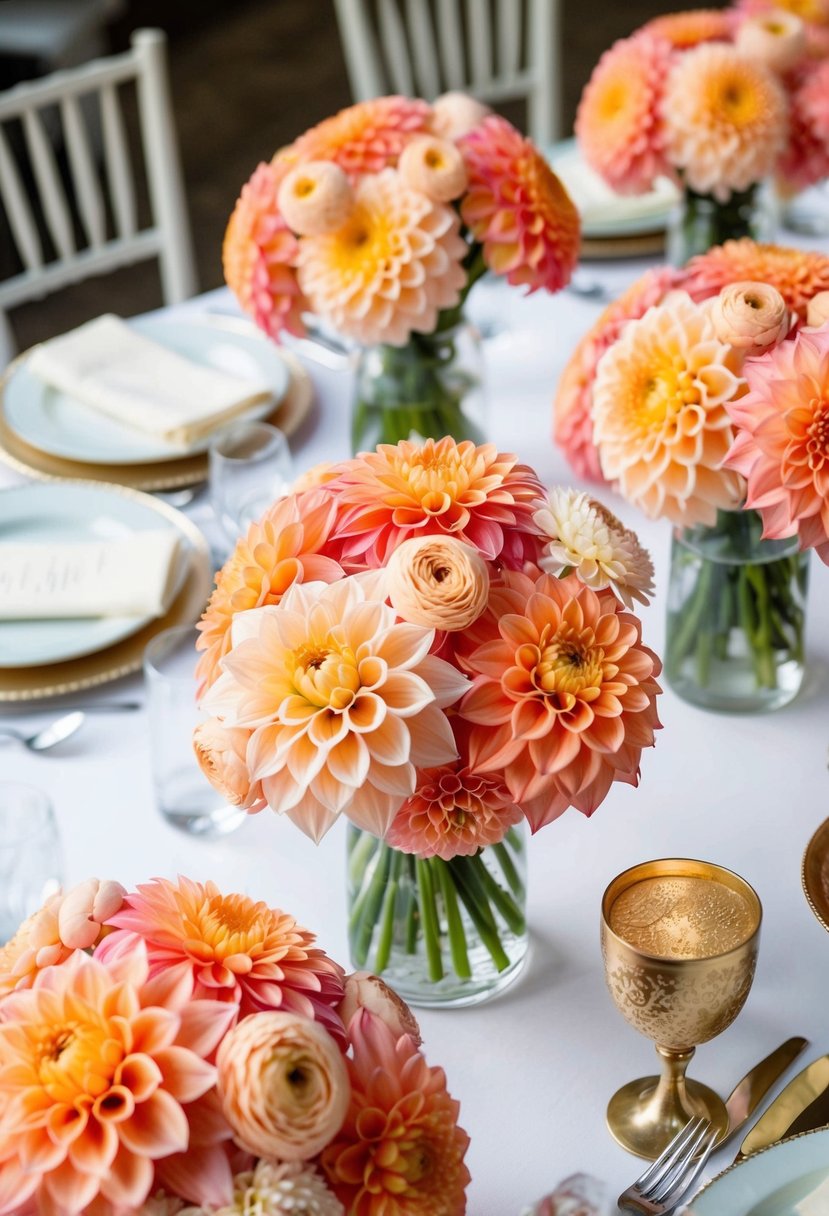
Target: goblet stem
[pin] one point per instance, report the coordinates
(671, 1106)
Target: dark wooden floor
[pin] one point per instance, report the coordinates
(247, 77)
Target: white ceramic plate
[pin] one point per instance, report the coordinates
(603, 212)
(66, 512)
(771, 1183)
(61, 425)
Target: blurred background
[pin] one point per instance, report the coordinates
(247, 76)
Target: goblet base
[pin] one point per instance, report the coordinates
(639, 1121)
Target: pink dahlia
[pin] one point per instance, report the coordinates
(476, 494)
(618, 124)
(363, 138)
(782, 443)
(235, 949)
(810, 117)
(563, 697)
(259, 255)
(104, 1080)
(518, 208)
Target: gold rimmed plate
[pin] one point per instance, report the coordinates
(816, 874)
(23, 684)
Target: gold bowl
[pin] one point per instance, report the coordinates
(679, 940)
(816, 873)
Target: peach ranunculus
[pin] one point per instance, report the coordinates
(220, 751)
(564, 695)
(366, 991)
(659, 415)
(817, 314)
(400, 1149)
(344, 702)
(782, 443)
(85, 910)
(455, 114)
(283, 1085)
(435, 167)
(315, 197)
(437, 582)
(751, 316)
(777, 39)
(237, 949)
(284, 547)
(103, 1071)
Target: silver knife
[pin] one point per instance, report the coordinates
(749, 1093)
(802, 1106)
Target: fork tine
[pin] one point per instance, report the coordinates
(656, 1172)
(671, 1173)
(686, 1185)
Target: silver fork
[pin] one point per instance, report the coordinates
(663, 1186)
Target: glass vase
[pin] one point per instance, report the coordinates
(699, 221)
(441, 933)
(431, 387)
(736, 616)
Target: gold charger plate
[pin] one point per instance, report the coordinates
(289, 415)
(31, 683)
(642, 245)
(816, 873)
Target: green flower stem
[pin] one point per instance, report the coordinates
(429, 916)
(508, 869)
(706, 222)
(489, 936)
(385, 940)
(361, 849)
(454, 922)
(505, 904)
(367, 908)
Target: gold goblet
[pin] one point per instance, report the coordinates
(679, 940)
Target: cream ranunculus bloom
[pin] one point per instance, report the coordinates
(750, 316)
(283, 1085)
(817, 313)
(435, 167)
(220, 750)
(315, 198)
(437, 582)
(455, 114)
(776, 39)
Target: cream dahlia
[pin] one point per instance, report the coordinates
(235, 949)
(400, 1150)
(782, 443)
(282, 548)
(259, 255)
(659, 415)
(344, 702)
(517, 208)
(563, 698)
(478, 495)
(583, 536)
(797, 274)
(454, 812)
(391, 267)
(102, 1071)
(281, 1188)
(619, 123)
(363, 138)
(725, 120)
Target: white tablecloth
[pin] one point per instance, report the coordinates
(534, 1069)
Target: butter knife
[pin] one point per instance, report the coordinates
(802, 1106)
(749, 1093)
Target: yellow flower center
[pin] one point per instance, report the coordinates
(435, 479)
(365, 242)
(326, 674)
(227, 925)
(569, 664)
(734, 99)
(75, 1060)
(434, 159)
(614, 100)
(659, 392)
(303, 186)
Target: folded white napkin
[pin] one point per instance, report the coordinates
(597, 203)
(111, 368)
(132, 576)
(816, 1204)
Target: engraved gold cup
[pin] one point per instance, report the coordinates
(679, 939)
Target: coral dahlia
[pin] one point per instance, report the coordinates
(363, 138)
(686, 29)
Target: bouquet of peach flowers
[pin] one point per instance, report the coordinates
(718, 100)
(432, 646)
(178, 1050)
(378, 222)
(702, 395)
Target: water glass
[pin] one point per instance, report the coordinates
(30, 854)
(183, 794)
(250, 466)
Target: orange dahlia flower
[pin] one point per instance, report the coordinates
(563, 697)
(684, 30)
(235, 949)
(796, 274)
(259, 255)
(363, 138)
(102, 1071)
(400, 1149)
(619, 125)
(282, 548)
(782, 443)
(518, 208)
(476, 494)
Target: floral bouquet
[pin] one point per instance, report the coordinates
(718, 100)
(702, 394)
(430, 645)
(177, 1050)
(378, 222)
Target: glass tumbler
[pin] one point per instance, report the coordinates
(250, 467)
(30, 854)
(183, 794)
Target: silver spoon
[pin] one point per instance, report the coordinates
(50, 735)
